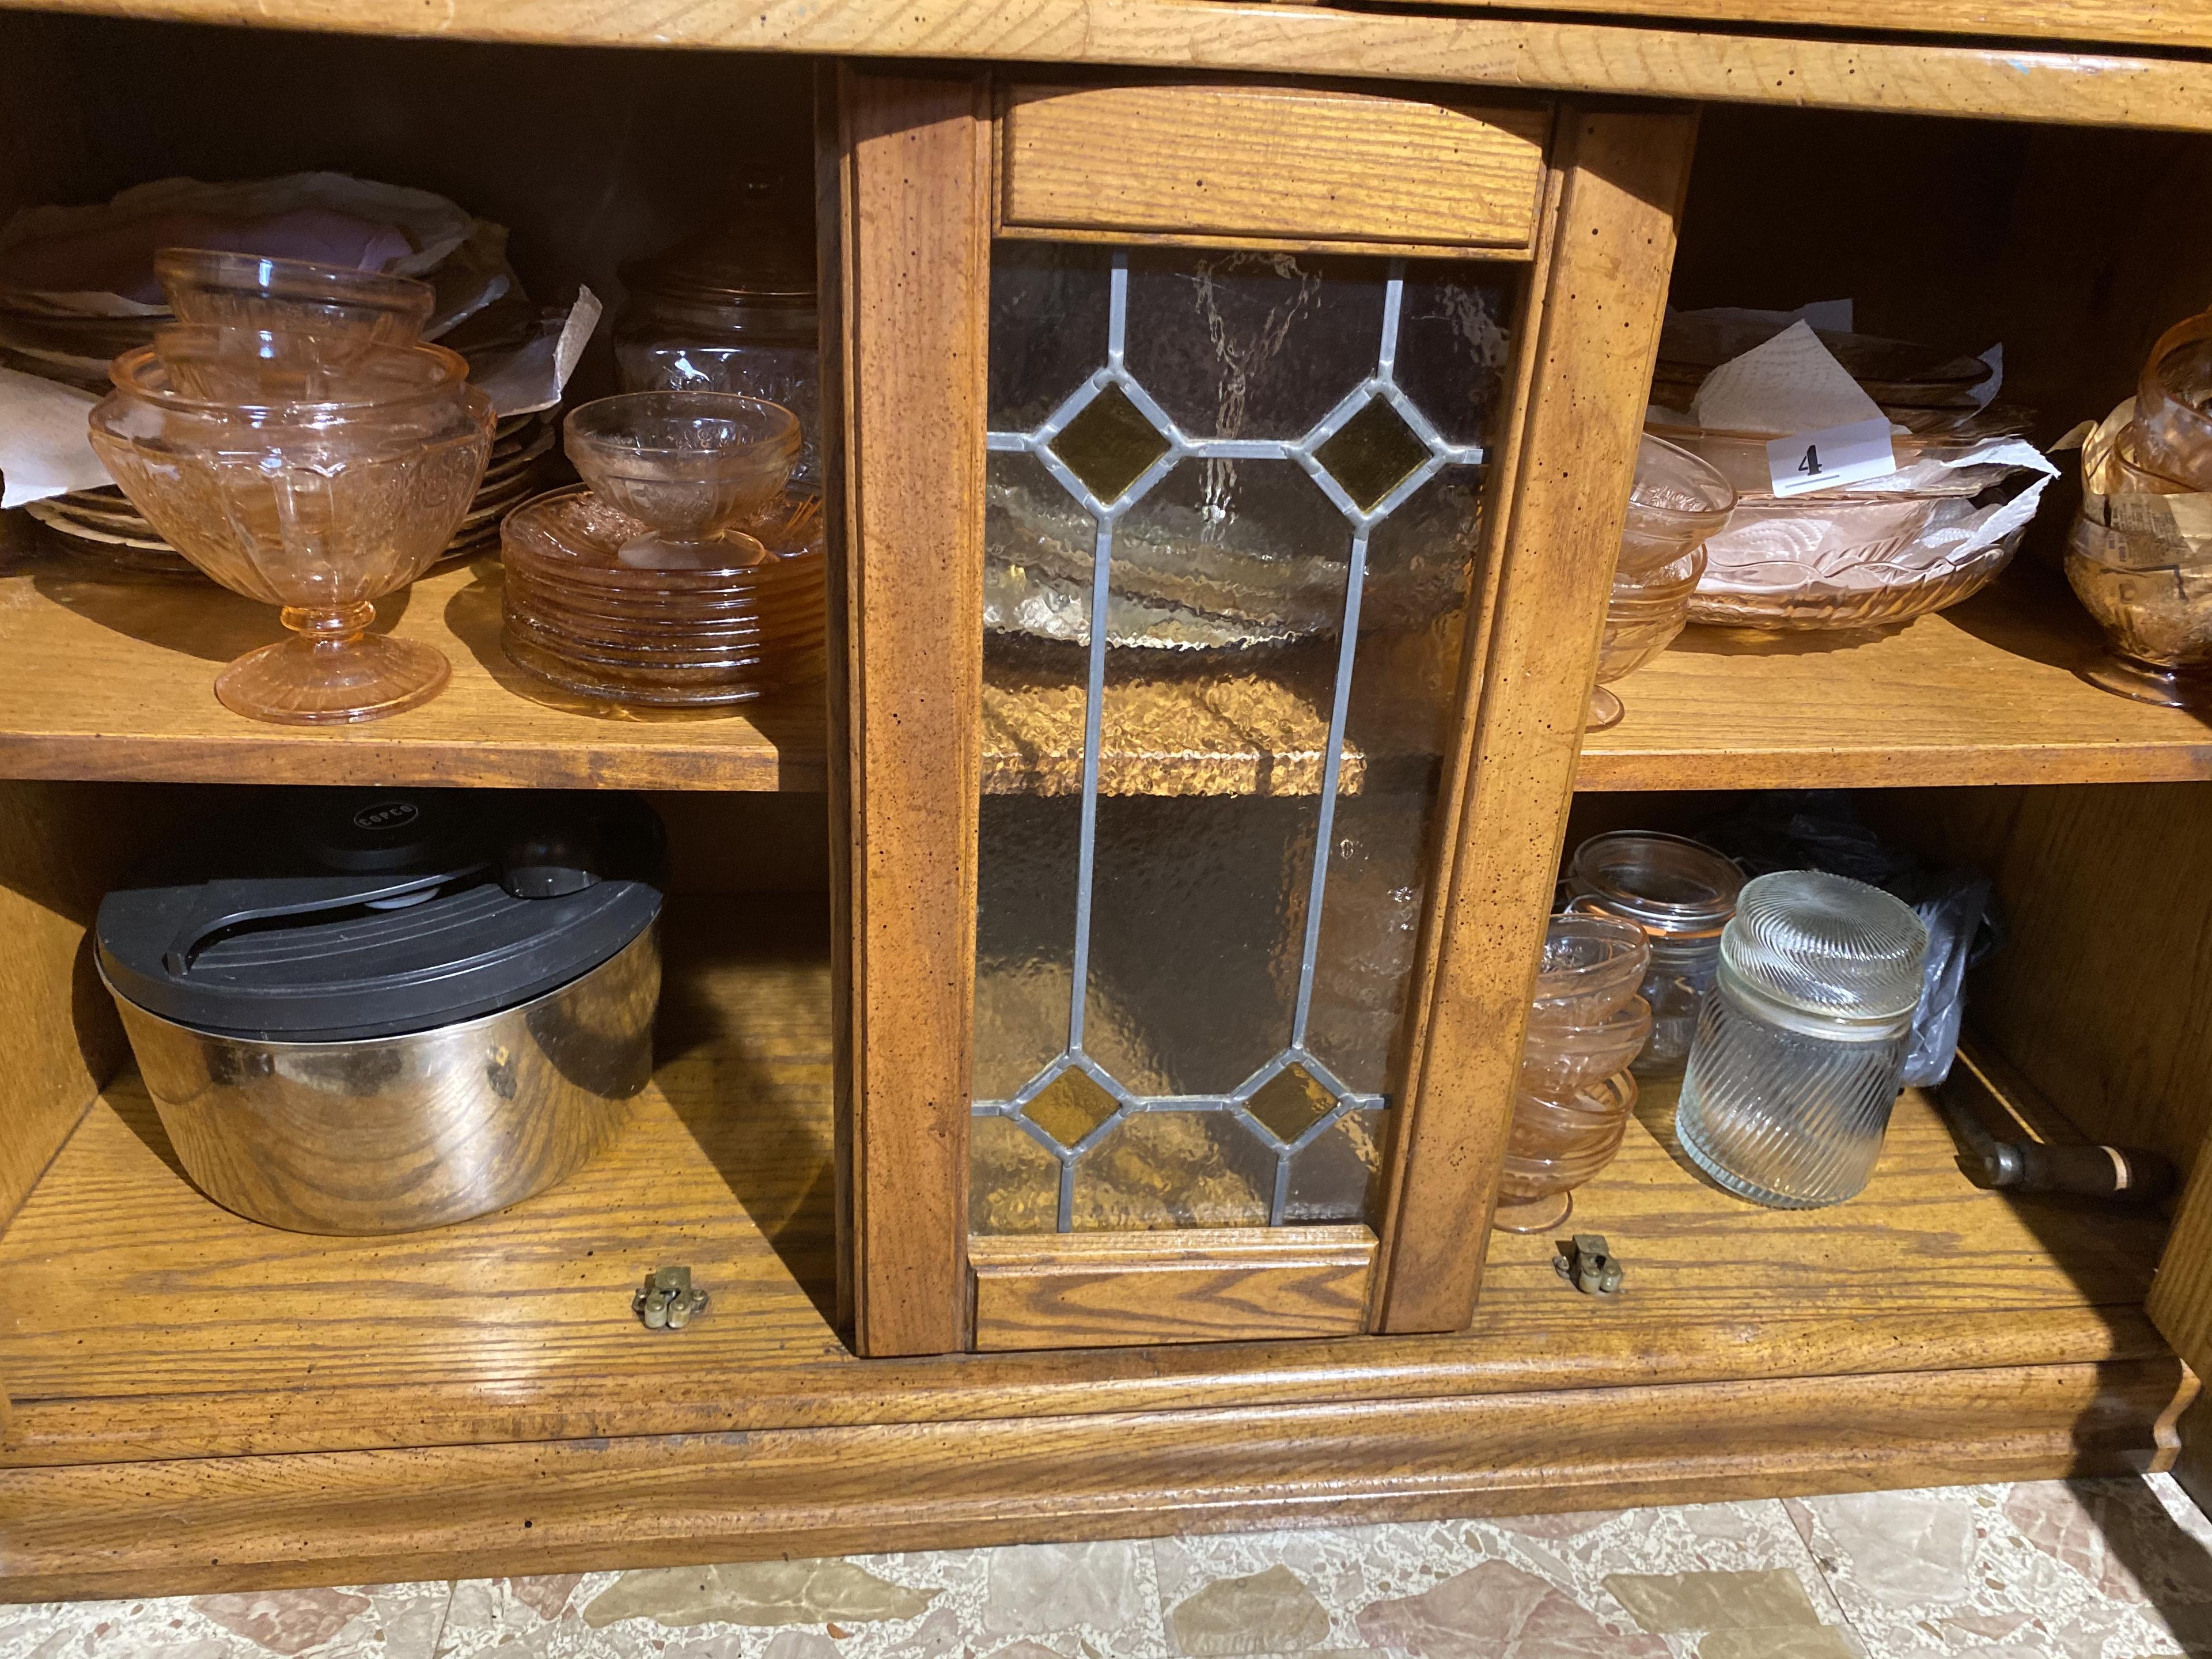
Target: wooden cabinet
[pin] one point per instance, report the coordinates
(898, 1352)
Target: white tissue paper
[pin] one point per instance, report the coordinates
(533, 375)
(1791, 384)
(43, 447)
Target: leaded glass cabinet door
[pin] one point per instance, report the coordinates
(1195, 647)
(1207, 825)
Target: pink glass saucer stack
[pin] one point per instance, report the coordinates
(683, 576)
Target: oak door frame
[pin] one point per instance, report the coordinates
(906, 170)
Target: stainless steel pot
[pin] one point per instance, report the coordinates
(393, 1135)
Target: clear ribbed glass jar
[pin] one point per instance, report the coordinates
(1681, 893)
(1795, 1064)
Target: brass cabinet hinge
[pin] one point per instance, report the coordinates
(1588, 1266)
(667, 1300)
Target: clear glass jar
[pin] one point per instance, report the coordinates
(732, 310)
(1799, 1050)
(1681, 893)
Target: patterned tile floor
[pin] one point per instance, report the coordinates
(2089, 1569)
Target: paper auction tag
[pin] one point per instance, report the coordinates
(1830, 458)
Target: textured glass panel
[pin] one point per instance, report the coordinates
(1421, 567)
(1069, 1107)
(1109, 444)
(1013, 1183)
(1225, 553)
(1421, 564)
(1453, 346)
(1371, 453)
(1334, 1178)
(1025, 938)
(1252, 345)
(1290, 1103)
(1196, 923)
(1221, 891)
(1371, 924)
(1171, 1169)
(1047, 327)
(1038, 543)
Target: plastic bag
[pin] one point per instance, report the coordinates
(1822, 829)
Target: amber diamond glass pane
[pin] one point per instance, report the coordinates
(1371, 453)
(1109, 444)
(1069, 1107)
(1290, 1103)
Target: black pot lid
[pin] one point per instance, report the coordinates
(339, 914)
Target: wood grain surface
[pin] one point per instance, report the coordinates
(2181, 1301)
(2165, 23)
(910, 222)
(255, 1523)
(1985, 693)
(1424, 1010)
(115, 679)
(215, 1336)
(1196, 1285)
(1205, 729)
(1268, 165)
(1606, 286)
(2101, 994)
(60, 850)
(1999, 80)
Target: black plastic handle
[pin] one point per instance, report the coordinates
(229, 904)
(2131, 1173)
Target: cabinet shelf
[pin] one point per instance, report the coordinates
(146, 1323)
(1984, 693)
(1219, 724)
(115, 679)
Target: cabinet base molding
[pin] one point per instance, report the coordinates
(211, 1524)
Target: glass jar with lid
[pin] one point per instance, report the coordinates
(733, 309)
(1681, 893)
(1800, 1048)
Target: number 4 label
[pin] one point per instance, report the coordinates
(1808, 461)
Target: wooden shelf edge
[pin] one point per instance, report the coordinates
(218, 1524)
(54, 1431)
(1985, 693)
(1902, 768)
(2022, 80)
(278, 756)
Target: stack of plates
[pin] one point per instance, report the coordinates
(1921, 388)
(524, 451)
(578, 617)
(75, 350)
(102, 525)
